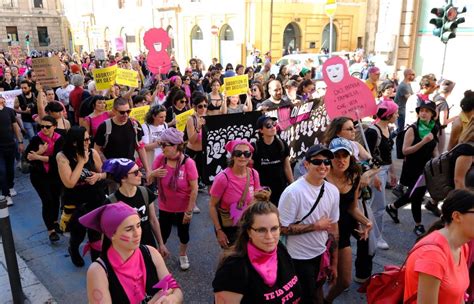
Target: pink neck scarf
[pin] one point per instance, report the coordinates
(265, 263)
(50, 141)
(130, 273)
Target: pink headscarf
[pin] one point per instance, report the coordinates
(230, 146)
(390, 106)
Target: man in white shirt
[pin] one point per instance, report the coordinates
(308, 228)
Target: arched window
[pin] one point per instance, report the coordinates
(196, 33)
(170, 48)
(228, 50)
(291, 38)
(325, 41)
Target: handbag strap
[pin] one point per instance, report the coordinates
(321, 192)
(244, 194)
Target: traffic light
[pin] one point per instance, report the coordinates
(438, 21)
(447, 20)
(27, 38)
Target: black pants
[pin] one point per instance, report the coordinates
(7, 169)
(415, 199)
(49, 191)
(198, 157)
(78, 232)
(307, 272)
(167, 220)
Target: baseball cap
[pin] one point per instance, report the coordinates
(318, 149)
(262, 119)
(340, 143)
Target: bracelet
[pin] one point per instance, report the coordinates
(189, 213)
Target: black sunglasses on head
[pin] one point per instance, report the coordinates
(318, 162)
(239, 153)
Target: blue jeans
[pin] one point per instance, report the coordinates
(7, 169)
(379, 201)
(30, 128)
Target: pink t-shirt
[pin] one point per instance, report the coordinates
(230, 189)
(437, 261)
(176, 200)
(95, 121)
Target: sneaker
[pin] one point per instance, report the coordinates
(53, 237)
(381, 244)
(57, 229)
(359, 280)
(433, 208)
(419, 230)
(76, 258)
(196, 209)
(9, 201)
(393, 213)
(202, 187)
(13, 192)
(184, 262)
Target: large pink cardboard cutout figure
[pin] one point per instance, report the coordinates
(156, 41)
(346, 95)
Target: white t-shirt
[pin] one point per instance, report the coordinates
(295, 202)
(152, 134)
(63, 94)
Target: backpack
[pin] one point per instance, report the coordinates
(113, 199)
(108, 131)
(359, 137)
(439, 173)
(401, 137)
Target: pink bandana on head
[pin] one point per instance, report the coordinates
(106, 219)
(230, 146)
(390, 106)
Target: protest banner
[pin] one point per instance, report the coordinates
(10, 97)
(288, 116)
(109, 104)
(139, 113)
(99, 54)
(48, 71)
(105, 78)
(346, 95)
(236, 85)
(127, 78)
(182, 118)
(119, 44)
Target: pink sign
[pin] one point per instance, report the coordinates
(346, 95)
(156, 41)
(119, 44)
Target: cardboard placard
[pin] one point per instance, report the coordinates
(236, 85)
(182, 119)
(48, 71)
(346, 95)
(127, 78)
(105, 78)
(99, 54)
(119, 44)
(10, 97)
(109, 104)
(139, 113)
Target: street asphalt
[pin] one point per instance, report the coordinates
(67, 284)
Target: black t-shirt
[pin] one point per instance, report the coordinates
(284, 102)
(384, 149)
(8, 86)
(86, 107)
(238, 275)
(26, 103)
(122, 140)
(269, 162)
(441, 105)
(171, 112)
(138, 203)
(7, 134)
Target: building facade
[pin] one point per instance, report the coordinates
(33, 24)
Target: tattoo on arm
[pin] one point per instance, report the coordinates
(294, 229)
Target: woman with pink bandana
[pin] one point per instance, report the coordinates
(126, 271)
(232, 191)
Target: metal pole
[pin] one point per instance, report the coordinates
(10, 253)
(444, 60)
(330, 36)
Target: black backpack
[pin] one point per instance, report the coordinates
(401, 137)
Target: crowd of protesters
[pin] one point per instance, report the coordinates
(100, 172)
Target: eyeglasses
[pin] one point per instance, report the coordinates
(202, 106)
(318, 162)
(136, 172)
(349, 129)
(270, 125)
(125, 112)
(263, 231)
(87, 139)
(45, 127)
(239, 153)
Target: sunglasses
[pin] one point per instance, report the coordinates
(136, 172)
(270, 125)
(238, 153)
(45, 127)
(87, 139)
(318, 162)
(187, 79)
(125, 112)
(202, 106)
(182, 101)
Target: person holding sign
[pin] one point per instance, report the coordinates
(179, 102)
(233, 105)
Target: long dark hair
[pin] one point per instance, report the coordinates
(150, 115)
(335, 127)
(74, 142)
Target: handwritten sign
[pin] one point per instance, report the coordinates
(10, 97)
(126, 77)
(346, 95)
(105, 78)
(139, 113)
(49, 71)
(182, 119)
(236, 85)
(109, 104)
(99, 54)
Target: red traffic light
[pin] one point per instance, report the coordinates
(451, 14)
